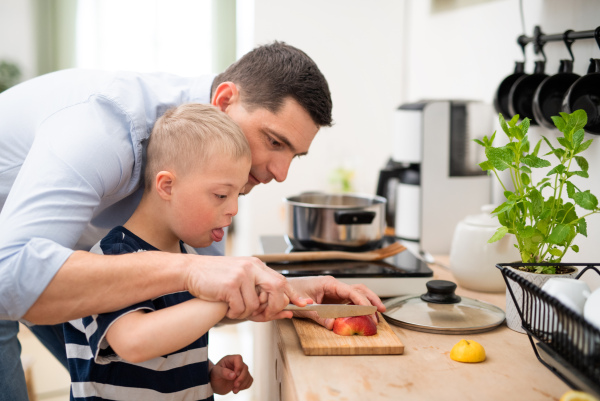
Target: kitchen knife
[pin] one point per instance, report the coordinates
(334, 310)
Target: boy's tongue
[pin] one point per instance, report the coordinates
(217, 234)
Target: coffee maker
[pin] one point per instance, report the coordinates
(432, 180)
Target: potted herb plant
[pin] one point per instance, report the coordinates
(542, 215)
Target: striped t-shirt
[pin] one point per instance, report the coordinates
(98, 373)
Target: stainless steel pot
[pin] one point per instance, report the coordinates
(348, 222)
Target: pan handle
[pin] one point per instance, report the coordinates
(353, 217)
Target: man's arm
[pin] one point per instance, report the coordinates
(140, 336)
(89, 284)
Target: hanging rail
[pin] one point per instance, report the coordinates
(539, 39)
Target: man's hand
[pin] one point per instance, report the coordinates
(230, 374)
(239, 281)
(328, 290)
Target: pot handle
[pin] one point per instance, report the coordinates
(353, 217)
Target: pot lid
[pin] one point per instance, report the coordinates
(440, 310)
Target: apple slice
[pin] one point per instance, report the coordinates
(355, 325)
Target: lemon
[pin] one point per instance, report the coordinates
(573, 395)
(468, 351)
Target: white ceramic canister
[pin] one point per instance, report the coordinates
(473, 260)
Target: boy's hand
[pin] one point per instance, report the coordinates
(230, 374)
(234, 280)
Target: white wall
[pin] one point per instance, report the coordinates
(358, 46)
(379, 54)
(467, 52)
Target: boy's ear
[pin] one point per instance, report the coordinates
(164, 184)
(226, 94)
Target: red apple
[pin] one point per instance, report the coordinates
(359, 325)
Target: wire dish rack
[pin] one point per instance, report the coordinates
(567, 344)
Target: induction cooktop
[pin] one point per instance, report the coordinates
(401, 274)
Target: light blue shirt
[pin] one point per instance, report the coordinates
(71, 150)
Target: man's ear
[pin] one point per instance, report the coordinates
(164, 184)
(226, 94)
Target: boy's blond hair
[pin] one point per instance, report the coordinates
(187, 136)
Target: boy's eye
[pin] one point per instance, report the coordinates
(221, 196)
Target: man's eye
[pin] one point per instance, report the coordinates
(221, 196)
(275, 142)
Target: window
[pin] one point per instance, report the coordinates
(145, 35)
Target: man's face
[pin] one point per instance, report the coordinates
(275, 139)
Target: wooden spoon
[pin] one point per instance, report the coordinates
(376, 254)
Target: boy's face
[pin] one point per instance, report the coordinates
(275, 139)
(205, 200)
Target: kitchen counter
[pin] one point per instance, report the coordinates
(424, 372)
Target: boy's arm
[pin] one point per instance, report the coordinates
(139, 336)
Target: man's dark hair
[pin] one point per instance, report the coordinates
(269, 74)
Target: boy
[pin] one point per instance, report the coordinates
(198, 164)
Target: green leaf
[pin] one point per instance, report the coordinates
(537, 148)
(570, 189)
(583, 146)
(559, 123)
(537, 202)
(532, 233)
(514, 120)
(575, 248)
(565, 143)
(583, 174)
(545, 185)
(549, 144)
(486, 166)
(586, 200)
(545, 269)
(499, 234)
(582, 163)
(503, 125)
(567, 214)
(559, 153)
(557, 170)
(582, 227)
(500, 158)
(479, 142)
(578, 138)
(525, 145)
(555, 252)
(525, 126)
(525, 169)
(525, 179)
(559, 234)
(515, 132)
(506, 206)
(535, 162)
(578, 119)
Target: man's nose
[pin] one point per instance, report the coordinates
(279, 167)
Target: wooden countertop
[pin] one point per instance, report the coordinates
(425, 370)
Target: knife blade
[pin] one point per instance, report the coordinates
(334, 310)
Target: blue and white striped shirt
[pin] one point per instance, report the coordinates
(98, 373)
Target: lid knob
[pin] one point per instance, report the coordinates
(440, 292)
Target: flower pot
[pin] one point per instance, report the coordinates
(513, 319)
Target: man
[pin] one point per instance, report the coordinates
(70, 169)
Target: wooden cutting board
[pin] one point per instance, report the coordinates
(317, 340)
